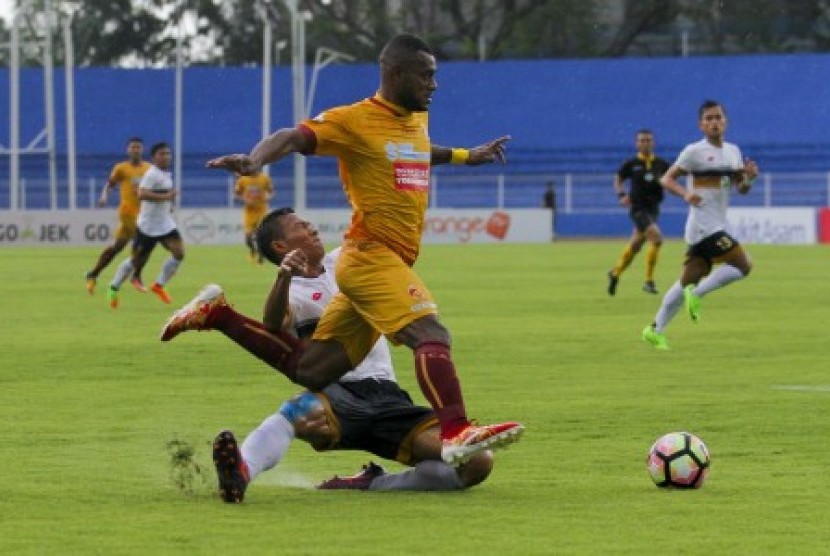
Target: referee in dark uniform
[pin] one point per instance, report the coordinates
(643, 199)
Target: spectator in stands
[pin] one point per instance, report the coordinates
(715, 166)
(549, 197)
(549, 202)
(643, 199)
(126, 175)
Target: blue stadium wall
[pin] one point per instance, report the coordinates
(565, 116)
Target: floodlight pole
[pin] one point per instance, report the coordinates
(298, 89)
(14, 112)
(322, 58)
(267, 39)
(69, 67)
(177, 124)
(49, 104)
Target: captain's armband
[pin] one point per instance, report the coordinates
(459, 156)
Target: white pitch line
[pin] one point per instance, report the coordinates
(803, 388)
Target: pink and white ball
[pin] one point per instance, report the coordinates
(678, 460)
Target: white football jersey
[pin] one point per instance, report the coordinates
(155, 218)
(307, 298)
(703, 159)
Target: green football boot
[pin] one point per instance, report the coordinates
(112, 295)
(692, 302)
(656, 339)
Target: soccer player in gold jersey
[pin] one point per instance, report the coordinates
(384, 152)
(126, 175)
(254, 191)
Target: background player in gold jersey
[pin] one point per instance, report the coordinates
(126, 175)
(254, 191)
(384, 152)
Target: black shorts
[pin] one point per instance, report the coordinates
(714, 247)
(644, 216)
(376, 416)
(145, 244)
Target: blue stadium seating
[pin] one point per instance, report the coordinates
(565, 116)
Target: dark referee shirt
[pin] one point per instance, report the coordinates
(644, 178)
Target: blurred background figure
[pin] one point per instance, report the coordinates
(549, 202)
(254, 191)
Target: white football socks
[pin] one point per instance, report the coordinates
(723, 275)
(672, 302)
(168, 269)
(266, 446)
(125, 269)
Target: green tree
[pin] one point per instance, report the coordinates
(228, 32)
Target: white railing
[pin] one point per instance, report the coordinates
(575, 193)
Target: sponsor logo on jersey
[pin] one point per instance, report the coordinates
(423, 305)
(411, 176)
(404, 151)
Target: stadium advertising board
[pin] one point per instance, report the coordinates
(83, 227)
(224, 226)
(824, 225)
(773, 225)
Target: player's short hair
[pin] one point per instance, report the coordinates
(645, 131)
(402, 49)
(270, 229)
(135, 139)
(706, 105)
(157, 147)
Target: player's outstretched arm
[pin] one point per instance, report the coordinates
(276, 146)
(482, 154)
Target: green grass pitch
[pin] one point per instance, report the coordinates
(90, 398)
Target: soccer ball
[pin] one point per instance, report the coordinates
(678, 460)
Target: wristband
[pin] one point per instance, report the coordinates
(620, 194)
(459, 156)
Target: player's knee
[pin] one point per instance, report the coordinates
(300, 406)
(476, 470)
(425, 330)
(315, 382)
(320, 364)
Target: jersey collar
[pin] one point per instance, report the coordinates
(398, 111)
(648, 159)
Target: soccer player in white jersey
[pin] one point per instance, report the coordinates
(155, 225)
(364, 410)
(715, 167)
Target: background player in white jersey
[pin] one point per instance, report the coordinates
(155, 225)
(364, 410)
(715, 166)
